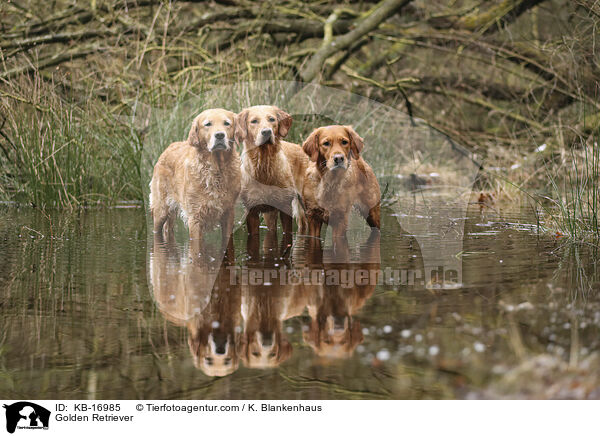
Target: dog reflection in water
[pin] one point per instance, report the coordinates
(202, 297)
(333, 330)
(265, 306)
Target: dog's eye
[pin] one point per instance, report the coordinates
(271, 354)
(207, 124)
(254, 121)
(255, 353)
(271, 119)
(209, 360)
(227, 123)
(326, 144)
(344, 142)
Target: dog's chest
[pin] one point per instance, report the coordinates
(267, 181)
(333, 193)
(207, 180)
(205, 177)
(270, 169)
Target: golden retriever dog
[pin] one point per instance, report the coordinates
(265, 306)
(199, 179)
(272, 169)
(333, 331)
(337, 179)
(215, 335)
(204, 299)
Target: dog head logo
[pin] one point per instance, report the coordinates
(26, 415)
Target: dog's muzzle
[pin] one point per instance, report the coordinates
(339, 162)
(340, 322)
(219, 342)
(266, 339)
(264, 136)
(219, 142)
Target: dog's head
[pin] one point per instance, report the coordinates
(264, 349)
(214, 351)
(262, 125)
(333, 336)
(213, 129)
(332, 147)
(333, 332)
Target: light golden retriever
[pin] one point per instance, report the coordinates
(272, 169)
(205, 299)
(337, 179)
(199, 179)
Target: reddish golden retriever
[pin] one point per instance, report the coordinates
(333, 330)
(337, 179)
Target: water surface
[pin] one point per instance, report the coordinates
(91, 308)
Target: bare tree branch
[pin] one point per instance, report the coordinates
(373, 19)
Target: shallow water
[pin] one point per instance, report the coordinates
(92, 308)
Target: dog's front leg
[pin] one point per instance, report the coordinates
(253, 222)
(338, 220)
(227, 234)
(195, 230)
(253, 240)
(270, 218)
(270, 244)
(169, 229)
(287, 222)
(160, 216)
(314, 227)
(287, 238)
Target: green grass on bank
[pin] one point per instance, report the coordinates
(576, 192)
(61, 154)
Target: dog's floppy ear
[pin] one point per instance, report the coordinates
(356, 335)
(311, 334)
(241, 126)
(242, 347)
(311, 145)
(356, 142)
(285, 351)
(194, 345)
(284, 122)
(194, 135)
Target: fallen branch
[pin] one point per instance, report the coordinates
(501, 15)
(373, 19)
(55, 38)
(50, 61)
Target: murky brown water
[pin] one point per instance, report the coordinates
(90, 308)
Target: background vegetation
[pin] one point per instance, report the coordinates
(516, 81)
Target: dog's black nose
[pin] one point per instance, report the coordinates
(338, 159)
(265, 132)
(267, 339)
(220, 135)
(220, 340)
(339, 322)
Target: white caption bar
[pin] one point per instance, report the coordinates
(291, 417)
